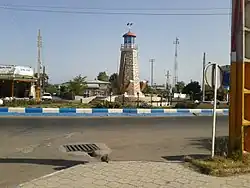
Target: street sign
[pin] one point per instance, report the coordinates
(214, 78)
(226, 79)
(211, 76)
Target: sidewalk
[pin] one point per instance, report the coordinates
(135, 174)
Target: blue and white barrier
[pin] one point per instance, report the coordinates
(16, 111)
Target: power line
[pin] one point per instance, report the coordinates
(110, 13)
(116, 9)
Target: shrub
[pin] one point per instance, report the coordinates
(188, 105)
(19, 103)
(106, 104)
(33, 103)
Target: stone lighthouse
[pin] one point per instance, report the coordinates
(129, 80)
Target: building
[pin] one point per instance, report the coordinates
(17, 81)
(97, 88)
(94, 88)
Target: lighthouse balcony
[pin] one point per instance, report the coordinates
(129, 46)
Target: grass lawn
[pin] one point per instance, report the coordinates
(220, 166)
(77, 104)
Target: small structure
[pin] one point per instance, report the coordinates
(96, 88)
(17, 81)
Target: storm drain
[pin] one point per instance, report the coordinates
(88, 148)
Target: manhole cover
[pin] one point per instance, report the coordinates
(88, 148)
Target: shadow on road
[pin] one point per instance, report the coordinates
(58, 163)
(221, 148)
(181, 158)
(221, 144)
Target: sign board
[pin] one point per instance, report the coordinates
(211, 76)
(226, 79)
(12, 70)
(7, 69)
(23, 71)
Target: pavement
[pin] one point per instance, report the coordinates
(29, 146)
(135, 174)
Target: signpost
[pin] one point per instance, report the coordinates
(214, 79)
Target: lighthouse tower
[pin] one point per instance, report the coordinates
(129, 80)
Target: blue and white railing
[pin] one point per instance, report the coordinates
(16, 111)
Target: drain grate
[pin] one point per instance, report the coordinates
(88, 148)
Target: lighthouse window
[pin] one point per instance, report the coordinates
(125, 40)
(133, 40)
(129, 40)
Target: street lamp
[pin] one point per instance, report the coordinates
(138, 99)
(110, 97)
(152, 77)
(203, 77)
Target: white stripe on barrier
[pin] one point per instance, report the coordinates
(219, 111)
(198, 111)
(170, 110)
(84, 110)
(115, 110)
(16, 110)
(50, 110)
(143, 111)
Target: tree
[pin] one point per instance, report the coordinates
(113, 79)
(50, 88)
(179, 87)
(193, 89)
(44, 79)
(102, 76)
(77, 85)
(148, 89)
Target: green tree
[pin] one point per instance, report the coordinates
(113, 79)
(44, 79)
(147, 89)
(102, 76)
(77, 85)
(179, 87)
(193, 89)
(50, 88)
(209, 93)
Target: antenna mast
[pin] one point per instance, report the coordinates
(175, 80)
(39, 46)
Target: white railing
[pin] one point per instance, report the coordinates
(133, 46)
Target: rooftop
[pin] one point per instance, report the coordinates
(96, 82)
(129, 34)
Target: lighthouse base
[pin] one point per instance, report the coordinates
(130, 98)
(135, 98)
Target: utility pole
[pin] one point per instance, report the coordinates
(43, 79)
(168, 86)
(152, 78)
(175, 80)
(203, 77)
(168, 81)
(39, 46)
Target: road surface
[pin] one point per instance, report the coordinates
(29, 146)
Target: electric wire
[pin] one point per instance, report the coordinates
(50, 10)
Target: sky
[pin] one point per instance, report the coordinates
(86, 44)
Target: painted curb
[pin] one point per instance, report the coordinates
(112, 112)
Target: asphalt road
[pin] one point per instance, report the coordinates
(29, 146)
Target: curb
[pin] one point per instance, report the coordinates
(111, 112)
